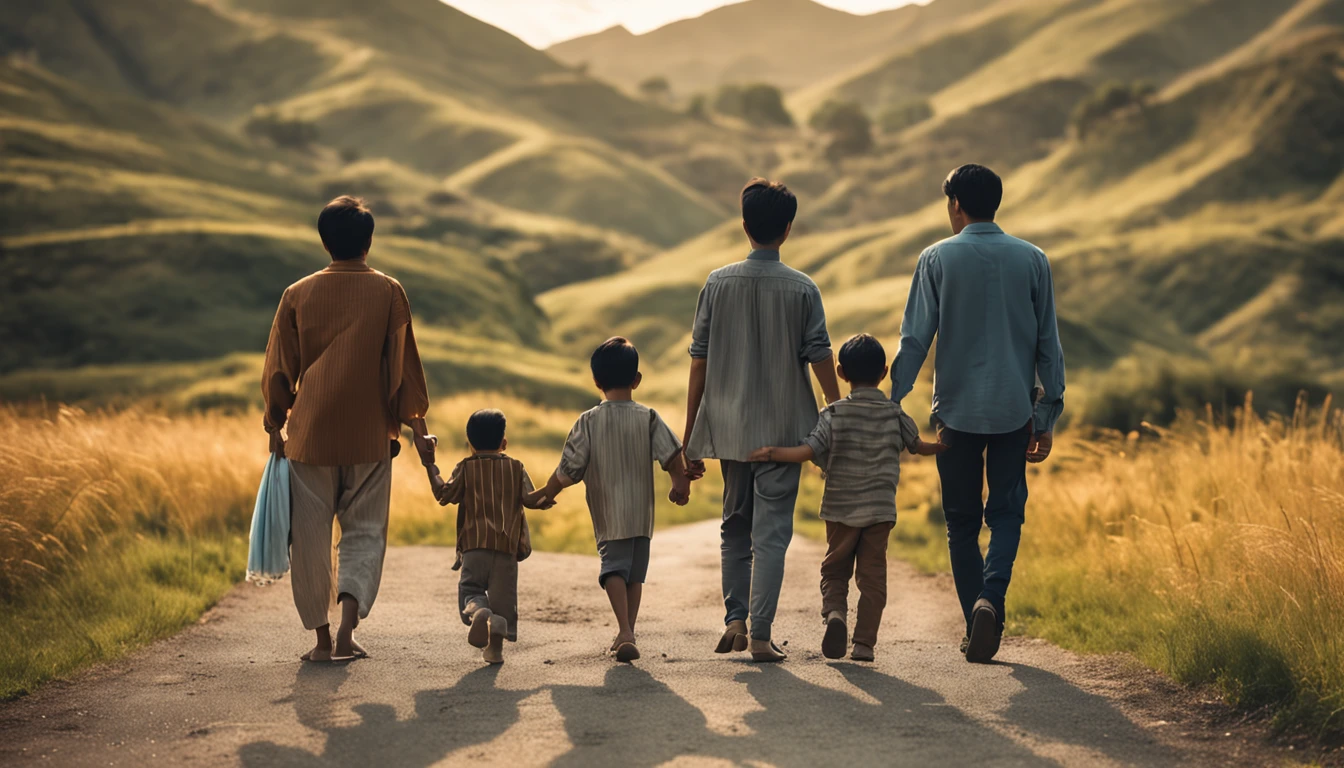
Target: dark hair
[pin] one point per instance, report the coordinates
(768, 208)
(978, 189)
(615, 363)
(346, 228)
(485, 429)
(863, 359)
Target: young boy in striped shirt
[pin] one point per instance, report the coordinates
(612, 449)
(490, 489)
(857, 443)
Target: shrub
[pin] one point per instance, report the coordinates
(897, 118)
(759, 104)
(1107, 101)
(291, 133)
(656, 88)
(849, 130)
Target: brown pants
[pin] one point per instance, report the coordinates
(357, 496)
(861, 553)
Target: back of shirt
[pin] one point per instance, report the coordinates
(759, 323)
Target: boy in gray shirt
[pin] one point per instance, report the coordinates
(857, 443)
(612, 449)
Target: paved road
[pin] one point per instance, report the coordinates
(230, 691)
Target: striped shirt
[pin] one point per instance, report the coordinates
(759, 324)
(488, 489)
(612, 449)
(858, 443)
(342, 368)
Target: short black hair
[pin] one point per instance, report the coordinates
(346, 228)
(978, 189)
(863, 359)
(768, 208)
(485, 429)
(615, 364)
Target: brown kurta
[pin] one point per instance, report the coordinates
(488, 489)
(342, 367)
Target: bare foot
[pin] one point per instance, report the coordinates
(358, 650)
(345, 646)
(317, 654)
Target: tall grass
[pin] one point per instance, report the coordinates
(117, 528)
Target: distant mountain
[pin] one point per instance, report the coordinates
(788, 43)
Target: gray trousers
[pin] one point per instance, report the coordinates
(758, 502)
(357, 496)
(489, 579)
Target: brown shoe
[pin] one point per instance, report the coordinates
(494, 651)
(479, 634)
(764, 651)
(626, 653)
(734, 638)
(836, 639)
(861, 652)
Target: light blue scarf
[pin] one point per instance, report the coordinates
(268, 556)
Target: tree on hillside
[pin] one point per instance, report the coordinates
(897, 118)
(848, 129)
(291, 133)
(758, 103)
(698, 107)
(1110, 99)
(656, 89)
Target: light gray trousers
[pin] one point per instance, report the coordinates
(758, 502)
(358, 496)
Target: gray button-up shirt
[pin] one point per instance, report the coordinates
(612, 449)
(990, 299)
(858, 442)
(759, 323)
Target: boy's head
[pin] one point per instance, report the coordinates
(863, 361)
(485, 431)
(973, 194)
(346, 228)
(768, 208)
(616, 365)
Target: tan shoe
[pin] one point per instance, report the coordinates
(494, 651)
(766, 652)
(479, 634)
(734, 638)
(861, 652)
(836, 639)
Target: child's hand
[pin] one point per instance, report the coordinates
(923, 448)
(680, 493)
(545, 503)
(762, 454)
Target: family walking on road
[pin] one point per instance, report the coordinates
(343, 376)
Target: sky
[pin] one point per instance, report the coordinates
(542, 23)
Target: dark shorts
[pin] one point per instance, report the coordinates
(627, 558)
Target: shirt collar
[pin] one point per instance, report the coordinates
(764, 254)
(867, 393)
(982, 228)
(351, 265)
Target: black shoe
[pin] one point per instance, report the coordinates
(985, 635)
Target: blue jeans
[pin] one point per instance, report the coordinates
(969, 461)
(758, 501)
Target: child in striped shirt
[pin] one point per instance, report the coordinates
(490, 489)
(612, 449)
(857, 443)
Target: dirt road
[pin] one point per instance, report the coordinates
(230, 691)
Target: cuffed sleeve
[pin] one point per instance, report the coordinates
(700, 326)
(820, 439)
(574, 456)
(816, 341)
(408, 394)
(918, 327)
(664, 443)
(1049, 354)
(280, 372)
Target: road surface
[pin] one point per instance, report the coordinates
(231, 691)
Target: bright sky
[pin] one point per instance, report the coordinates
(544, 22)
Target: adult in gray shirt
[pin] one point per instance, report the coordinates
(998, 387)
(758, 326)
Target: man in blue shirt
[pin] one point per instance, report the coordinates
(998, 387)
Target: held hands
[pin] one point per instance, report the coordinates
(425, 445)
(538, 500)
(1038, 447)
(762, 454)
(923, 448)
(277, 444)
(695, 469)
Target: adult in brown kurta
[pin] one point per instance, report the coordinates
(342, 373)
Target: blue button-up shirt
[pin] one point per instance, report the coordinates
(990, 299)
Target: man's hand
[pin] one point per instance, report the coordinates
(277, 444)
(695, 469)
(1038, 448)
(924, 448)
(425, 445)
(539, 499)
(762, 454)
(680, 493)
